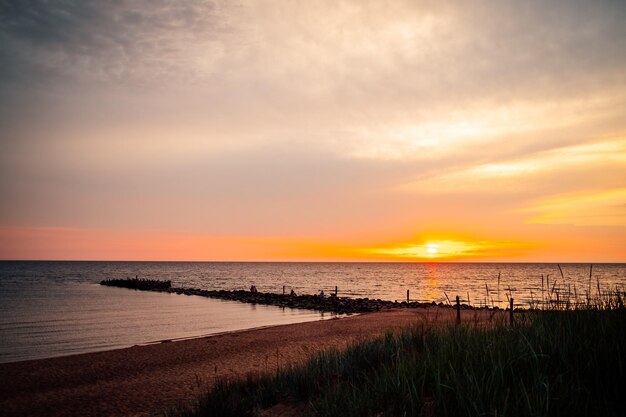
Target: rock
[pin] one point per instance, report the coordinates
(341, 305)
(138, 284)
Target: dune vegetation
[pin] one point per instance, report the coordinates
(556, 362)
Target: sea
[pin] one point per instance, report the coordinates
(58, 308)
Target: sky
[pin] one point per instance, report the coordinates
(478, 131)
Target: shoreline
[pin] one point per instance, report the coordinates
(226, 332)
(147, 379)
(322, 316)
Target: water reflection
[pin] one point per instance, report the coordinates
(55, 320)
(430, 286)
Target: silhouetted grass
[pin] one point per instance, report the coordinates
(550, 363)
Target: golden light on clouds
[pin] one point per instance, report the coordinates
(519, 174)
(459, 130)
(594, 208)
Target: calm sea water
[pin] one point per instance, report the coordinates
(57, 308)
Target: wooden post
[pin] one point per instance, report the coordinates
(458, 310)
(407, 296)
(511, 312)
(283, 290)
(335, 290)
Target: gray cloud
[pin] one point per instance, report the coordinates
(100, 41)
(487, 48)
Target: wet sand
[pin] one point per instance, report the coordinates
(143, 380)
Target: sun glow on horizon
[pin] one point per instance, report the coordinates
(440, 249)
(90, 244)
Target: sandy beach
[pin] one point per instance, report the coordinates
(142, 380)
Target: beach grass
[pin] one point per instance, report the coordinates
(568, 362)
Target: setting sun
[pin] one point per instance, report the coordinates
(444, 250)
(432, 249)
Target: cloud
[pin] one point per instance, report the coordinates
(310, 118)
(410, 51)
(367, 79)
(590, 208)
(595, 163)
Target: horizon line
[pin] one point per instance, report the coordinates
(319, 262)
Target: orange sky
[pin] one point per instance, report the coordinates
(358, 131)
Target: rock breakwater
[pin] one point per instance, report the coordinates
(340, 305)
(138, 284)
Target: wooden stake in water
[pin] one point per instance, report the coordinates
(335, 290)
(487, 296)
(543, 293)
(407, 296)
(458, 310)
(511, 312)
(590, 275)
(499, 287)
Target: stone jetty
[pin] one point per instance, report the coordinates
(340, 305)
(138, 284)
